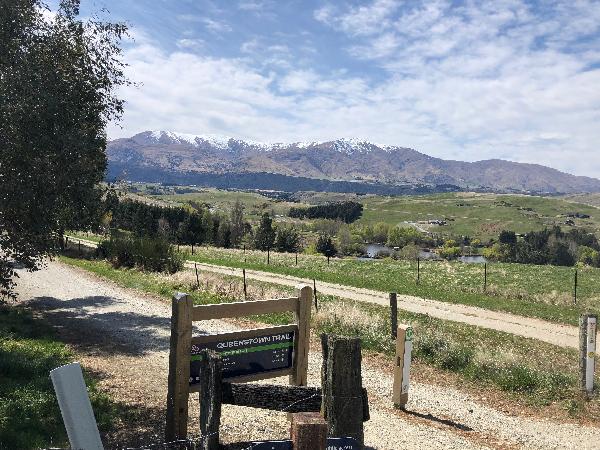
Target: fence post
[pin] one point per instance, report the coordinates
(484, 276)
(75, 407)
(587, 352)
(308, 431)
(79, 247)
(192, 248)
(197, 278)
(296, 258)
(418, 270)
(343, 400)
(245, 289)
(211, 367)
(575, 289)
(394, 314)
(315, 295)
(402, 365)
(179, 367)
(301, 346)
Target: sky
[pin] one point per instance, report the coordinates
(466, 80)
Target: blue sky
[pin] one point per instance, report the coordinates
(459, 80)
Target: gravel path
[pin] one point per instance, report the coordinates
(561, 335)
(128, 332)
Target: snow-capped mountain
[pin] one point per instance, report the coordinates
(199, 158)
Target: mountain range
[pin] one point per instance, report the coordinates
(343, 165)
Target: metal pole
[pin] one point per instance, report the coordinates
(245, 290)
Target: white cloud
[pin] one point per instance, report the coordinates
(190, 44)
(216, 26)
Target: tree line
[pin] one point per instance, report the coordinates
(347, 211)
(548, 246)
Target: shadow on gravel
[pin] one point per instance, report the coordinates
(448, 422)
(81, 322)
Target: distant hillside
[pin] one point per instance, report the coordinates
(336, 166)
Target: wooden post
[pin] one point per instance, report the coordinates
(587, 352)
(244, 249)
(308, 431)
(418, 270)
(79, 247)
(484, 277)
(211, 367)
(197, 277)
(268, 256)
(394, 314)
(179, 368)
(302, 341)
(245, 289)
(575, 289)
(192, 248)
(315, 294)
(296, 258)
(402, 365)
(343, 399)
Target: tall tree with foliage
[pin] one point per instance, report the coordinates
(287, 240)
(326, 246)
(265, 234)
(237, 224)
(58, 78)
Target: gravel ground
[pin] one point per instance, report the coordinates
(123, 335)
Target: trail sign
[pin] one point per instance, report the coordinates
(345, 443)
(246, 353)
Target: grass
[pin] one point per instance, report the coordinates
(29, 413)
(478, 215)
(531, 372)
(543, 292)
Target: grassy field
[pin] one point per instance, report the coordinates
(545, 292)
(529, 371)
(478, 215)
(29, 413)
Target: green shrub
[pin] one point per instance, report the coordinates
(151, 254)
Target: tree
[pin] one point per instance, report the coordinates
(58, 79)
(223, 238)
(326, 246)
(507, 237)
(265, 234)
(287, 240)
(401, 236)
(237, 223)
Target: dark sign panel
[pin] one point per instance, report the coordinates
(346, 443)
(245, 354)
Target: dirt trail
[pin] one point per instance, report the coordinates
(561, 335)
(124, 336)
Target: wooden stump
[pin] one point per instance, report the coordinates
(343, 398)
(211, 367)
(308, 431)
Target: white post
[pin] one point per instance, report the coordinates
(75, 407)
(404, 344)
(590, 354)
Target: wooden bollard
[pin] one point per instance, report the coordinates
(308, 431)
(402, 365)
(394, 314)
(587, 352)
(343, 398)
(211, 367)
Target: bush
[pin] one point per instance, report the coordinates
(151, 254)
